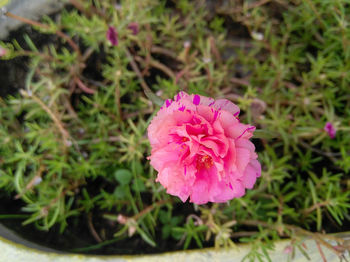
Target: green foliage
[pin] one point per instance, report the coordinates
(189, 232)
(74, 140)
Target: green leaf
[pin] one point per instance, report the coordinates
(187, 241)
(4, 2)
(177, 232)
(175, 220)
(198, 241)
(123, 176)
(138, 185)
(146, 237)
(166, 230)
(136, 167)
(164, 217)
(119, 192)
(303, 252)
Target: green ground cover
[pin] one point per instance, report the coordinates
(73, 142)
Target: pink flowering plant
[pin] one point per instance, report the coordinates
(201, 150)
(153, 126)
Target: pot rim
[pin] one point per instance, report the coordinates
(13, 247)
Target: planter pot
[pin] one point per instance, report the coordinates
(14, 248)
(31, 9)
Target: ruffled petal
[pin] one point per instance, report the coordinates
(201, 150)
(165, 156)
(174, 182)
(242, 158)
(200, 194)
(224, 104)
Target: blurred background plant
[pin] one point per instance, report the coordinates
(73, 142)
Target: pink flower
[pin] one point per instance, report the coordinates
(329, 128)
(201, 150)
(134, 27)
(3, 51)
(112, 35)
(288, 249)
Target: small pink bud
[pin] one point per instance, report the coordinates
(131, 231)
(112, 35)
(3, 51)
(206, 60)
(122, 219)
(37, 180)
(257, 36)
(187, 44)
(134, 27)
(288, 249)
(329, 128)
(338, 247)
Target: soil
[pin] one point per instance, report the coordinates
(77, 236)
(13, 72)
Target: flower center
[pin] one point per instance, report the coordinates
(204, 162)
(184, 139)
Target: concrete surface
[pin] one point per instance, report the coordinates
(32, 9)
(12, 252)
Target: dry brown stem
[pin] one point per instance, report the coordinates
(55, 119)
(92, 229)
(46, 27)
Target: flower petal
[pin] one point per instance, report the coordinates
(224, 104)
(112, 35)
(253, 171)
(242, 158)
(201, 150)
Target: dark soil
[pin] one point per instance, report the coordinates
(12, 75)
(77, 237)
(13, 72)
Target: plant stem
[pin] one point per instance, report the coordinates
(240, 9)
(56, 120)
(82, 86)
(150, 208)
(46, 27)
(316, 236)
(158, 65)
(92, 229)
(148, 92)
(307, 211)
(321, 252)
(164, 51)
